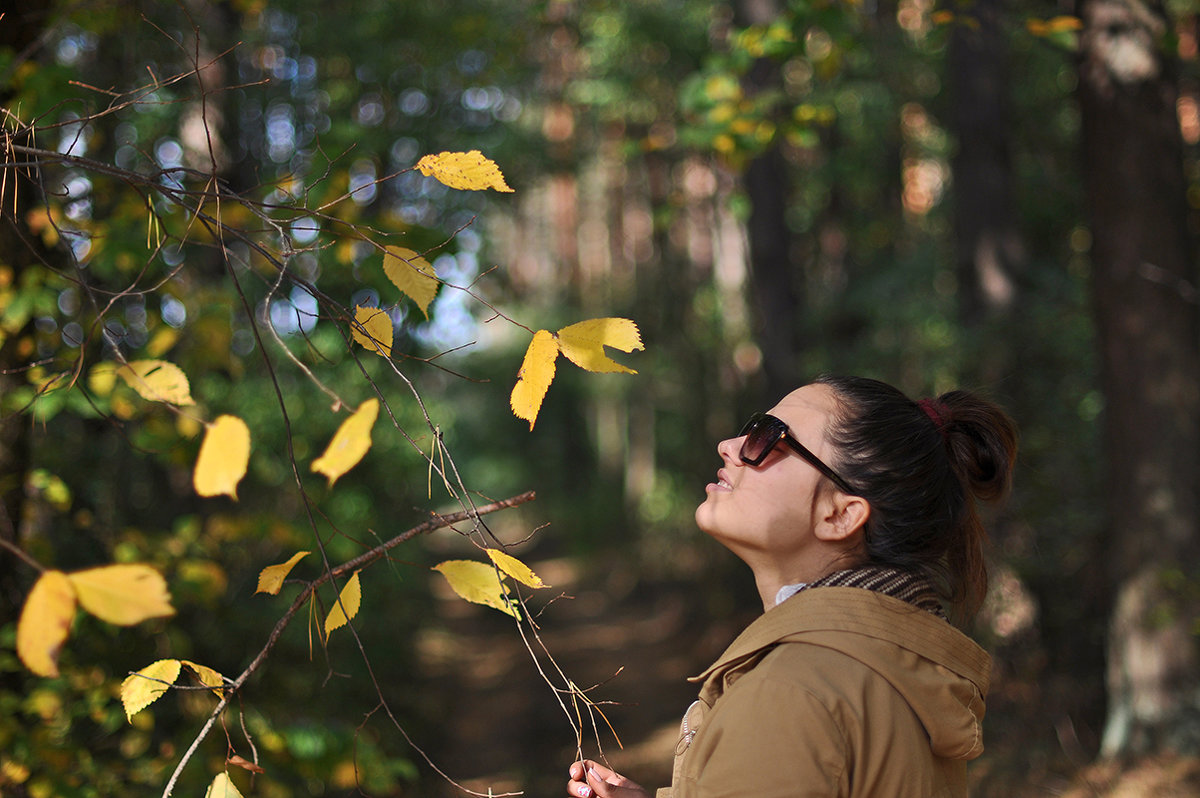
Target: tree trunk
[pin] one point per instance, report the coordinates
(22, 26)
(989, 248)
(774, 279)
(1147, 322)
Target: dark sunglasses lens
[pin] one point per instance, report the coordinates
(761, 434)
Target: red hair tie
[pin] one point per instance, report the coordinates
(934, 409)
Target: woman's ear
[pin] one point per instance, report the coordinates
(844, 515)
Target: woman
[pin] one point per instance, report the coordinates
(854, 507)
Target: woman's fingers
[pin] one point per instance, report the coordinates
(589, 778)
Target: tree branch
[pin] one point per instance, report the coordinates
(438, 522)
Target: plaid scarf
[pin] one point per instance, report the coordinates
(904, 585)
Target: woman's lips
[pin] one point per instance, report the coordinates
(722, 483)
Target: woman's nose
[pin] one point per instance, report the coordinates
(729, 448)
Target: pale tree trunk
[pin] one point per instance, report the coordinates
(1147, 322)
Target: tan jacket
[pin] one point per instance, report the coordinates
(838, 691)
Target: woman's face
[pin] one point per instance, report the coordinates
(769, 510)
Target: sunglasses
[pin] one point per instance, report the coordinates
(763, 432)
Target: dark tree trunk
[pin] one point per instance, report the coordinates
(773, 276)
(774, 279)
(1147, 322)
(989, 248)
(22, 25)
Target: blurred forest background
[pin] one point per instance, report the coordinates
(1001, 196)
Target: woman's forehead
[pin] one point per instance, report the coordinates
(807, 406)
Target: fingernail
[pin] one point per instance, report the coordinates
(585, 792)
(592, 772)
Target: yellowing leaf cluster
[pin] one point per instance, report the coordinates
(482, 583)
(225, 451)
(583, 344)
(120, 594)
(141, 689)
(470, 171)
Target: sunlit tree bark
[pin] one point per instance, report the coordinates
(1146, 316)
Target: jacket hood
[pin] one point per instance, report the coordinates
(940, 672)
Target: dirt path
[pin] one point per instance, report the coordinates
(635, 642)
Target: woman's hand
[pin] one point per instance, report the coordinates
(590, 779)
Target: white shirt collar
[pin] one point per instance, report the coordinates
(787, 591)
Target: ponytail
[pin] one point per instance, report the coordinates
(923, 467)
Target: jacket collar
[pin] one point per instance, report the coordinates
(852, 611)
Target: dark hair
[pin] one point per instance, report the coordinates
(922, 466)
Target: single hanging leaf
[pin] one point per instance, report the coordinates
(535, 376)
(478, 583)
(158, 381)
(515, 568)
(465, 170)
(270, 579)
(222, 787)
(350, 443)
(223, 457)
(378, 326)
(349, 601)
(583, 343)
(141, 689)
(45, 622)
(243, 763)
(412, 274)
(208, 677)
(123, 594)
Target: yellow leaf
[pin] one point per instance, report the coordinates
(515, 568)
(122, 594)
(535, 376)
(478, 583)
(270, 579)
(412, 274)
(347, 607)
(223, 458)
(102, 377)
(158, 381)
(583, 343)
(378, 326)
(222, 787)
(208, 677)
(45, 622)
(162, 341)
(350, 443)
(141, 689)
(1064, 24)
(466, 170)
